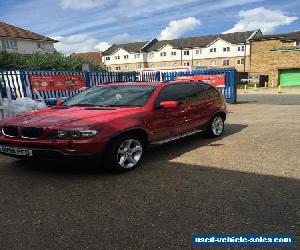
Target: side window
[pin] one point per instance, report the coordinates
(172, 93)
(212, 92)
(197, 93)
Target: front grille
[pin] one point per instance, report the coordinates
(32, 132)
(10, 131)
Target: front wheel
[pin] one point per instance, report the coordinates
(124, 153)
(215, 127)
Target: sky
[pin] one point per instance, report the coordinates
(94, 25)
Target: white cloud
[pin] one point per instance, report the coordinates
(86, 43)
(120, 38)
(260, 18)
(77, 43)
(176, 28)
(102, 46)
(81, 4)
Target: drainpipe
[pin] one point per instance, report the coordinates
(245, 57)
(181, 56)
(192, 57)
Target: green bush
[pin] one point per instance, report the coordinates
(44, 61)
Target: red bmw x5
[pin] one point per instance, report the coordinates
(117, 121)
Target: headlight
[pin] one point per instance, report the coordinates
(73, 134)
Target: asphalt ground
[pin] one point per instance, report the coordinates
(248, 181)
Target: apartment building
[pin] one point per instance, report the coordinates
(15, 39)
(275, 59)
(223, 50)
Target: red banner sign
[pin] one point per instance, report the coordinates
(215, 80)
(57, 82)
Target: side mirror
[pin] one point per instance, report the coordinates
(169, 104)
(59, 102)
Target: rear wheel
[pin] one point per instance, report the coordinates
(215, 127)
(124, 153)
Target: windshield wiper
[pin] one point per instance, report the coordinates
(82, 105)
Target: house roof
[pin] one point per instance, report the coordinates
(10, 31)
(190, 42)
(292, 36)
(203, 41)
(94, 57)
(129, 47)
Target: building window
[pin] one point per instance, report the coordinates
(173, 53)
(125, 56)
(173, 64)
(108, 68)
(151, 65)
(151, 55)
(137, 55)
(225, 62)
(199, 63)
(241, 48)
(126, 67)
(41, 46)
(10, 45)
(163, 54)
(107, 58)
(138, 66)
(162, 65)
(240, 61)
(297, 43)
(213, 50)
(198, 51)
(186, 52)
(186, 64)
(117, 57)
(226, 49)
(212, 63)
(118, 67)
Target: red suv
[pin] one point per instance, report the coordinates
(117, 121)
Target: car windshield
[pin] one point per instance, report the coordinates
(135, 96)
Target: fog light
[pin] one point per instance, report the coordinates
(62, 134)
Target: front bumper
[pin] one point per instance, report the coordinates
(55, 148)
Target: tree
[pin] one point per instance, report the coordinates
(44, 61)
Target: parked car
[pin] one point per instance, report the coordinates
(117, 121)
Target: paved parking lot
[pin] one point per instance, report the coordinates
(246, 182)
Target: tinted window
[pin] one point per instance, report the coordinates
(189, 93)
(196, 93)
(176, 92)
(212, 93)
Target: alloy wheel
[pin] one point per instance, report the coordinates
(217, 125)
(129, 153)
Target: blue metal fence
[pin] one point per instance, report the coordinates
(229, 91)
(19, 81)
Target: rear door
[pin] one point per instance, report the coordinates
(167, 123)
(203, 100)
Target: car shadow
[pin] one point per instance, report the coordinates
(94, 166)
(158, 206)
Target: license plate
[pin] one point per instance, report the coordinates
(15, 151)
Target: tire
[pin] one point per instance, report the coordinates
(124, 153)
(215, 127)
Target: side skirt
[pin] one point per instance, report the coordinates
(176, 137)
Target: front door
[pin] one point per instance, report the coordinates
(167, 123)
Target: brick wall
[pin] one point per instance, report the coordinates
(265, 62)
